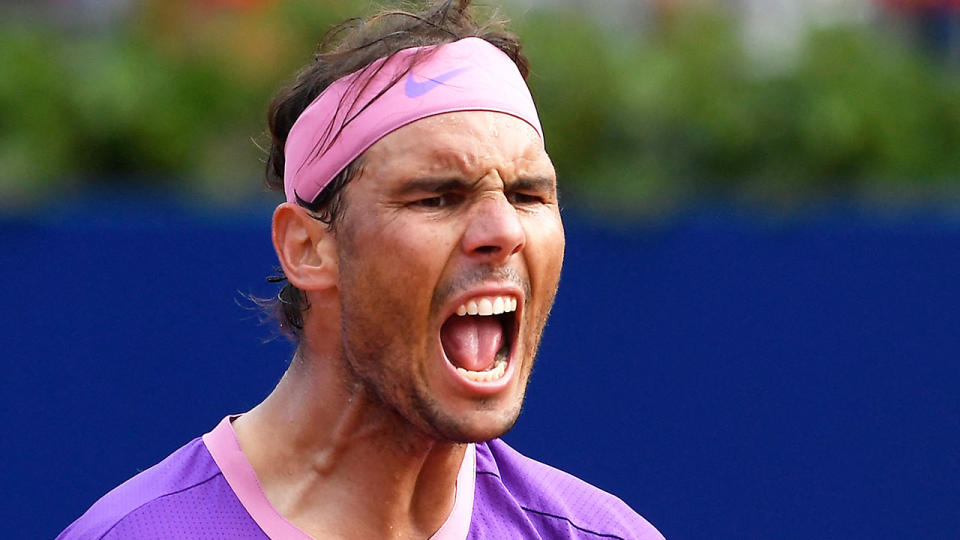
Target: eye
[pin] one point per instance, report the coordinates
(439, 201)
(524, 198)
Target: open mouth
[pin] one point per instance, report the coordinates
(478, 338)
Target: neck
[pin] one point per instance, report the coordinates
(337, 464)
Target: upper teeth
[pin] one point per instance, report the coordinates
(488, 305)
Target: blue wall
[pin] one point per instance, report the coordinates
(729, 377)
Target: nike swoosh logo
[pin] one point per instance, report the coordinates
(414, 89)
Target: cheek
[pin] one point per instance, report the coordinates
(545, 248)
(418, 253)
(544, 253)
(394, 267)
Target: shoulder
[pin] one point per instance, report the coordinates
(549, 501)
(185, 485)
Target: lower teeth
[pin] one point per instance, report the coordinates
(499, 368)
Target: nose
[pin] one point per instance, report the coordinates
(494, 231)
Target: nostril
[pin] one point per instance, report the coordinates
(488, 250)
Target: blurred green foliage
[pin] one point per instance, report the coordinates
(642, 122)
(635, 121)
(175, 97)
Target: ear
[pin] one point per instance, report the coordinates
(307, 250)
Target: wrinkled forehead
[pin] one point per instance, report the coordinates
(466, 144)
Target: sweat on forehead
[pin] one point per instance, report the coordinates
(359, 109)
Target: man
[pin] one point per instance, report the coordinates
(422, 243)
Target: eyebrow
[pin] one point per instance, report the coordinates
(434, 185)
(440, 185)
(534, 183)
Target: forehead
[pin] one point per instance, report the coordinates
(469, 142)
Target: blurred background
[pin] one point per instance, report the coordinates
(756, 332)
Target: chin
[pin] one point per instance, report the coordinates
(475, 426)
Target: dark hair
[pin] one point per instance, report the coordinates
(349, 47)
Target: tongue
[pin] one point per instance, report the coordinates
(472, 342)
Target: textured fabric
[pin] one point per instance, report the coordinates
(361, 108)
(517, 497)
(183, 496)
(186, 497)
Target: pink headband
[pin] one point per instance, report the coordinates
(466, 75)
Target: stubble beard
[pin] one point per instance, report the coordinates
(370, 355)
(370, 363)
(412, 406)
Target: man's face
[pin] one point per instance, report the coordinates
(451, 214)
